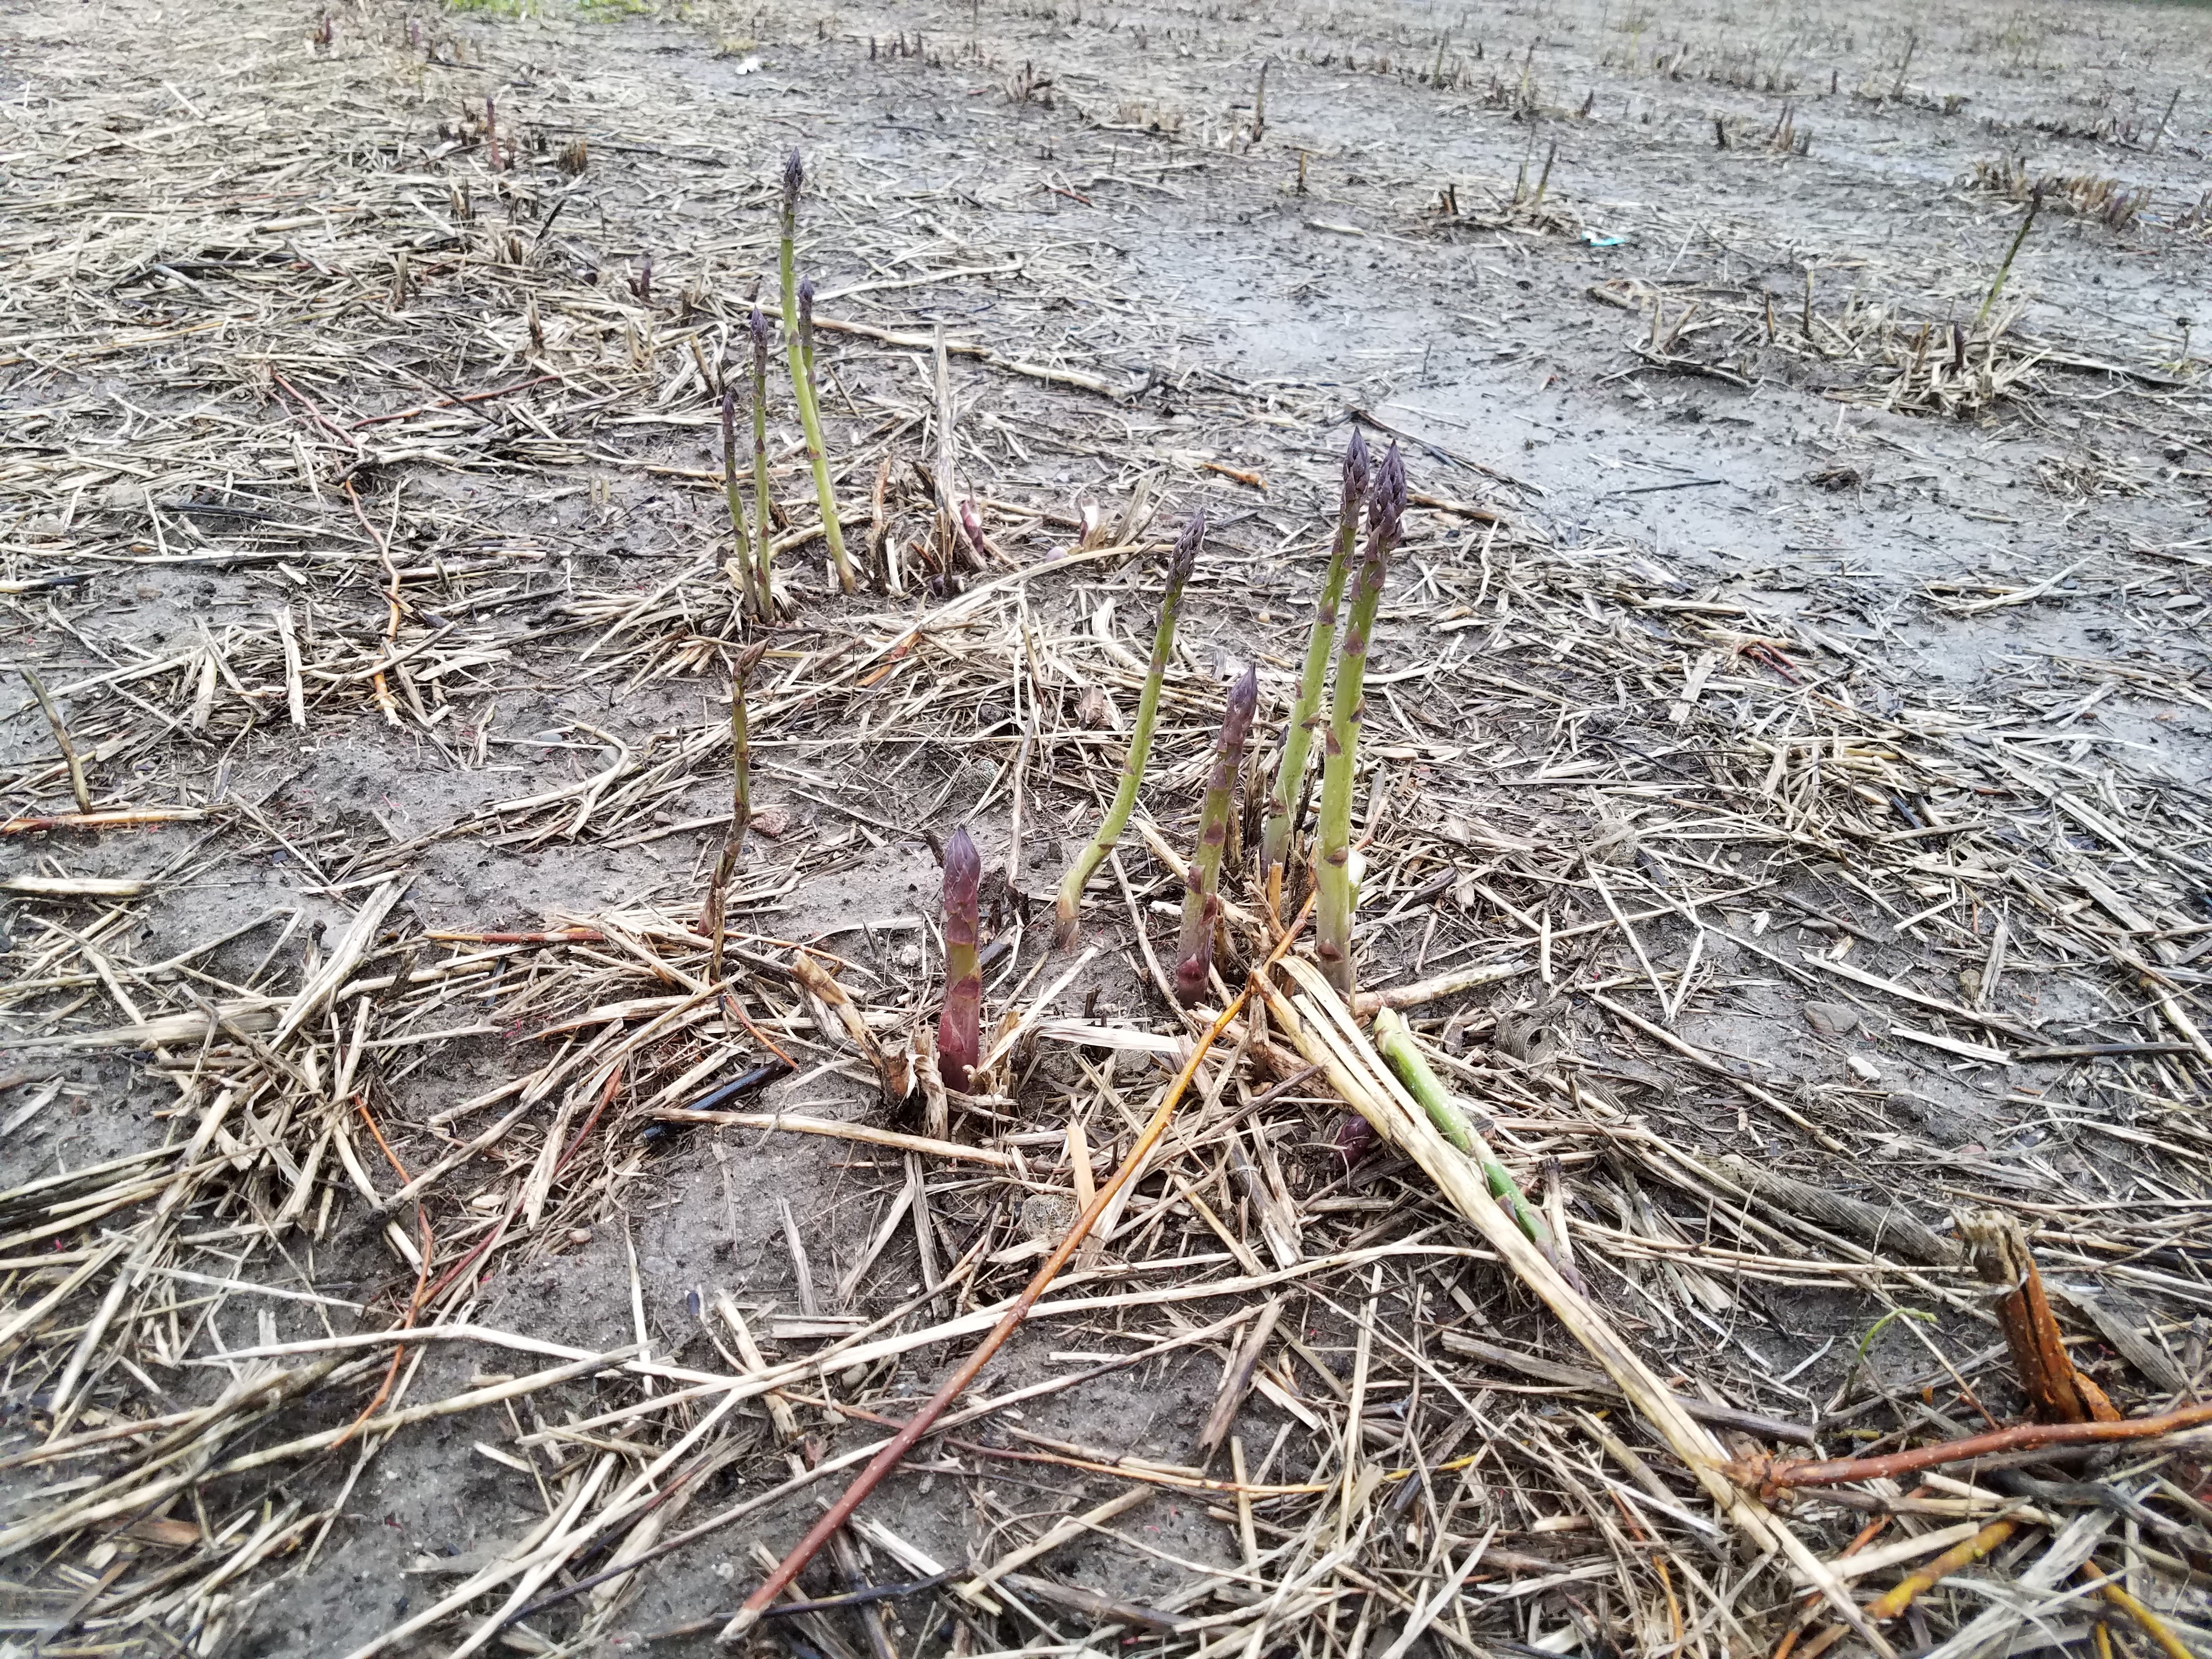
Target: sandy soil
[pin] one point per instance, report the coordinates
(1679, 316)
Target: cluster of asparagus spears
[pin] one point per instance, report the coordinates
(1379, 492)
(798, 298)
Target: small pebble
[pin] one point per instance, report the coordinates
(1863, 1068)
(580, 1235)
(1831, 1018)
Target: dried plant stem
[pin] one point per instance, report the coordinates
(69, 757)
(1316, 1022)
(1306, 713)
(1070, 903)
(895, 1450)
(1334, 877)
(1201, 902)
(1894, 1601)
(1783, 1474)
(2161, 1634)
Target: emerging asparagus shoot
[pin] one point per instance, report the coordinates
(1070, 905)
(1201, 900)
(747, 578)
(1305, 713)
(959, 1027)
(766, 591)
(798, 333)
(1336, 877)
(741, 802)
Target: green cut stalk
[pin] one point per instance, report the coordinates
(1201, 900)
(748, 581)
(796, 329)
(1069, 904)
(1394, 1039)
(766, 591)
(1306, 713)
(1334, 877)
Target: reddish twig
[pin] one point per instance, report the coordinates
(606, 1098)
(896, 1449)
(1772, 1476)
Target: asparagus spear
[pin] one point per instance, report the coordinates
(1140, 738)
(741, 801)
(747, 578)
(797, 332)
(959, 1033)
(1305, 713)
(766, 591)
(1201, 902)
(1336, 877)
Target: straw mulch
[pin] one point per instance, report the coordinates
(1720, 930)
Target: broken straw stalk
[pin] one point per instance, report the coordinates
(1336, 877)
(1297, 737)
(959, 1034)
(1201, 902)
(798, 330)
(1069, 904)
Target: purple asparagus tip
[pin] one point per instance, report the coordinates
(1355, 1138)
(964, 864)
(806, 303)
(1243, 698)
(1356, 466)
(959, 1027)
(1201, 912)
(758, 326)
(794, 175)
(1385, 507)
(1185, 549)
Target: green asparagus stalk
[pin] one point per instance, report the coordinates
(1335, 875)
(959, 1027)
(748, 581)
(798, 330)
(1394, 1039)
(1140, 738)
(2027, 224)
(846, 578)
(1202, 900)
(766, 594)
(741, 802)
(1305, 713)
